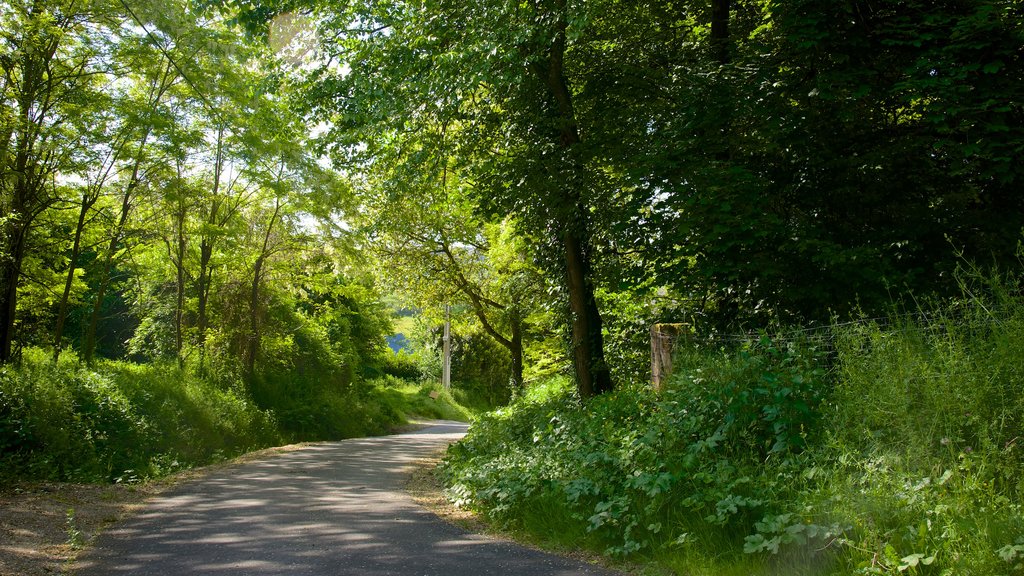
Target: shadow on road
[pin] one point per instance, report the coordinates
(333, 509)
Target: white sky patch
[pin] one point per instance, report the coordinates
(308, 223)
(293, 38)
(311, 224)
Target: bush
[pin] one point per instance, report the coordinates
(482, 369)
(418, 399)
(632, 470)
(927, 419)
(871, 448)
(128, 422)
(762, 400)
(402, 365)
(121, 421)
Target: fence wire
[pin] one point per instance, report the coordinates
(857, 335)
(937, 322)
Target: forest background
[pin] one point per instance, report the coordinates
(212, 216)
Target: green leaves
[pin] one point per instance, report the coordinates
(776, 532)
(1011, 553)
(839, 143)
(624, 472)
(912, 561)
(900, 458)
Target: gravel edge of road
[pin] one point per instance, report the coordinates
(427, 490)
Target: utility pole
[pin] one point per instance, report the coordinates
(446, 361)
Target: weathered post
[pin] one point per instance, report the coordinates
(664, 338)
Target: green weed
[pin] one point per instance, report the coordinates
(124, 422)
(875, 447)
(75, 537)
(411, 399)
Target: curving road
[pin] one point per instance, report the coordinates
(327, 509)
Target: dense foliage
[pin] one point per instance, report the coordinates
(201, 203)
(161, 202)
(119, 423)
(125, 422)
(171, 241)
(728, 163)
(868, 448)
(846, 153)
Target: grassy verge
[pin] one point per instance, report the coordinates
(125, 422)
(879, 448)
(412, 400)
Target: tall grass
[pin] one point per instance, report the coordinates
(120, 421)
(926, 439)
(876, 447)
(126, 422)
(422, 400)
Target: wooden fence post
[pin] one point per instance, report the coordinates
(664, 338)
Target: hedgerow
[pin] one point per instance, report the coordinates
(889, 446)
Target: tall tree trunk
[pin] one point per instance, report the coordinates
(10, 276)
(254, 295)
(253, 343)
(206, 251)
(720, 30)
(592, 374)
(89, 344)
(203, 294)
(88, 199)
(26, 204)
(25, 195)
(15, 229)
(515, 351)
(179, 305)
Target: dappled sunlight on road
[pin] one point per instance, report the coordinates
(330, 508)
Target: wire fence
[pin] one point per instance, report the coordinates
(824, 341)
(933, 322)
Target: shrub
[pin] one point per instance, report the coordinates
(120, 421)
(875, 447)
(403, 365)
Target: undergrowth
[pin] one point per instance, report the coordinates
(118, 422)
(876, 447)
(127, 422)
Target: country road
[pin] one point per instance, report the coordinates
(333, 508)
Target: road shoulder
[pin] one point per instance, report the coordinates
(427, 490)
(44, 526)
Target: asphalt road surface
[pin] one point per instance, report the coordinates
(328, 509)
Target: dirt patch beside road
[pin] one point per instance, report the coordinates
(44, 525)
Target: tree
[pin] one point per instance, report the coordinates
(281, 168)
(405, 68)
(211, 97)
(592, 373)
(116, 133)
(417, 217)
(851, 174)
(266, 250)
(153, 76)
(441, 255)
(47, 69)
